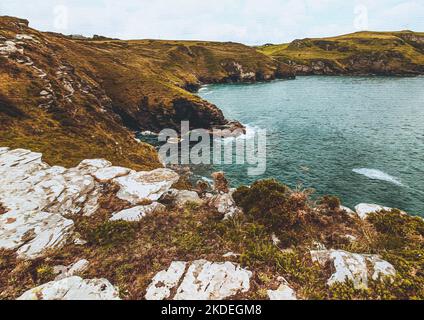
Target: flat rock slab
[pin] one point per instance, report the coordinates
(73, 288)
(353, 266)
(141, 186)
(199, 280)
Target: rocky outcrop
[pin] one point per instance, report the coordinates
(199, 280)
(36, 197)
(354, 267)
(73, 288)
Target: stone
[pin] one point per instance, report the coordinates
(141, 186)
(225, 205)
(33, 232)
(283, 293)
(364, 209)
(137, 213)
(73, 288)
(107, 174)
(180, 198)
(71, 270)
(353, 266)
(165, 281)
(203, 280)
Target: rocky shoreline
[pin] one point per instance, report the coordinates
(41, 204)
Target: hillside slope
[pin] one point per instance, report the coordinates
(362, 53)
(72, 99)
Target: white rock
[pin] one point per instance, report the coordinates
(90, 166)
(73, 288)
(71, 270)
(203, 280)
(364, 209)
(138, 187)
(283, 293)
(31, 233)
(137, 213)
(165, 281)
(181, 197)
(225, 204)
(352, 266)
(381, 268)
(109, 173)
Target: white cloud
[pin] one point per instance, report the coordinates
(248, 21)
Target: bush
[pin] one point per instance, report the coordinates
(332, 202)
(266, 201)
(397, 230)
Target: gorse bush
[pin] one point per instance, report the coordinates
(397, 230)
(266, 201)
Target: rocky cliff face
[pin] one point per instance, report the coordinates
(362, 53)
(84, 96)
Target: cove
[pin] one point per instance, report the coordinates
(359, 138)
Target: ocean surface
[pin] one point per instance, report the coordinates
(360, 138)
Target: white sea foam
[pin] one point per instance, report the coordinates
(378, 175)
(251, 132)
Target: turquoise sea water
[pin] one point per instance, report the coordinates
(361, 139)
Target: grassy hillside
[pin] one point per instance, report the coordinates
(74, 99)
(361, 53)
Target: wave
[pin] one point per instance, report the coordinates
(251, 132)
(375, 174)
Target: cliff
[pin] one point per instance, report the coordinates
(362, 53)
(101, 232)
(72, 99)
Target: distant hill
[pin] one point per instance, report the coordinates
(362, 53)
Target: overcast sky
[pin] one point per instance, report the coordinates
(246, 21)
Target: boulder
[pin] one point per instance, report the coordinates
(180, 198)
(137, 213)
(284, 292)
(71, 270)
(141, 186)
(353, 266)
(73, 288)
(364, 209)
(202, 280)
(225, 205)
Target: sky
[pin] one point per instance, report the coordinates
(246, 21)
